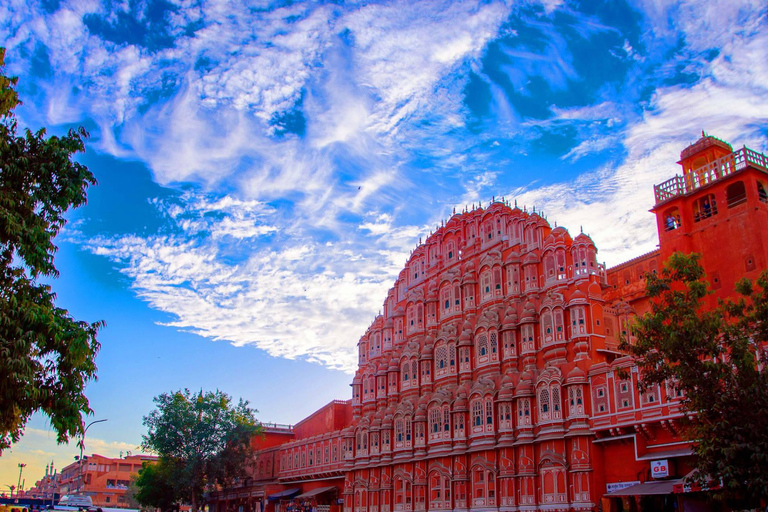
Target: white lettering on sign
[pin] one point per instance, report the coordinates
(616, 486)
(659, 468)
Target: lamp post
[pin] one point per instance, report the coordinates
(82, 445)
(18, 486)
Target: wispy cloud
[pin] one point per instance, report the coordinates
(315, 143)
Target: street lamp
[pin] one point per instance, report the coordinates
(21, 468)
(82, 445)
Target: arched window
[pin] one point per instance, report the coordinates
(762, 192)
(549, 266)
(482, 348)
(561, 264)
(414, 373)
(489, 411)
(435, 416)
(407, 431)
(483, 487)
(528, 344)
(486, 285)
(523, 412)
(446, 421)
(735, 194)
(556, 413)
(558, 322)
(494, 345)
(544, 413)
(575, 401)
(441, 360)
(513, 279)
(399, 432)
(672, 219)
(578, 322)
(452, 358)
(547, 332)
(509, 344)
(704, 207)
(497, 281)
(477, 415)
(505, 415)
(450, 251)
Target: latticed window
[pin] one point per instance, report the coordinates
(544, 404)
(556, 402)
(485, 280)
(489, 411)
(524, 412)
(546, 327)
(446, 419)
(477, 413)
(452, 358)
(527, 341)
(576, 401)
(482, 345)
(399, 430)
(434, 420)
(494, 342)
(441, 358)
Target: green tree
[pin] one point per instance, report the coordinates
(154, 486)
(717, 357)
(205, 438)
(46, 356)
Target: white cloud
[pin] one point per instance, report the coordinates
(612, 203)
(375, 86)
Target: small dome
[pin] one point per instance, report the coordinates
(577, 297)
(576, 376)
(510, 317)
(582, 239)
(512, 257)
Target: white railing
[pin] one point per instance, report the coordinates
(713, 171)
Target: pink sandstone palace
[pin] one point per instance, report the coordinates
(490, 382)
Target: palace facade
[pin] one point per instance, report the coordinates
(491, 382)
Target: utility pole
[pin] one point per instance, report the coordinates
(21, 468)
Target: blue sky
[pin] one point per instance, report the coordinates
(265, 168)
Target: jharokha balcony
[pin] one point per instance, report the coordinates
(713, 171)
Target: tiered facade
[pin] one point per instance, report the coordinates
(472, 388)
(493, 381)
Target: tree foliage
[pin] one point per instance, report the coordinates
(717, 357)
(154, 486)
(204, 437)
(46, 356)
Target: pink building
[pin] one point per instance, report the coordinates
(491, 381)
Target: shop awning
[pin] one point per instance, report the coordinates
(646, 489)
(288, 493)
(316, 492)
(689, 484)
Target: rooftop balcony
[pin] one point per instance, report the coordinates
(713, 171)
